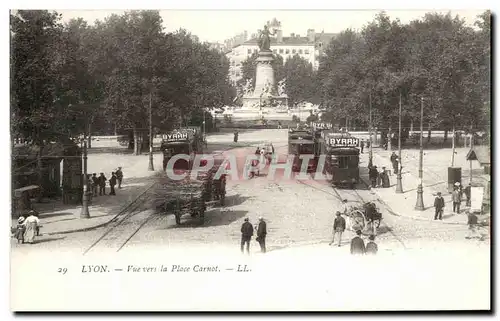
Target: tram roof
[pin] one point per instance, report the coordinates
(301, 141)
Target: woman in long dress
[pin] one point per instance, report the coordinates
(31, 224)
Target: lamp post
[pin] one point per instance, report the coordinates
(420, 199)
(399, 183)
(151, 166)
(85, 199)
(370, 157)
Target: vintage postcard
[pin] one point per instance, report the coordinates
(228, 160)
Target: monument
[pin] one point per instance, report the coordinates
(266, 97)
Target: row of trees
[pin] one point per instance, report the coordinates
(65, 77)
(438, 58)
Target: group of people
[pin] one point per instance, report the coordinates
(27, 228)
(456, 197)
(358, 246)
(247, 231)
(98, 183)
(379, 179)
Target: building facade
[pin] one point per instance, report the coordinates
(310, 48)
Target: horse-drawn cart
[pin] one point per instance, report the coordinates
(366, 218)
(191, 196)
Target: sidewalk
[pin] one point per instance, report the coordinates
(404, 204)
(58, 218)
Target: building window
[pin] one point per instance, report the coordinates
(249, 51)
(306, 52)
(275, 51)
(287, 51)
(294, 51)
(300, 51)
(281, 51)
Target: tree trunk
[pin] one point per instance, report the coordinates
(137, 147)
(89, 137)
(40, 173)
(411, 126)
(445, 138)
(130, 139)
(389, 138)
(429, 134)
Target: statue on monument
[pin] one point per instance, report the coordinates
(281, 87)
(265, 39)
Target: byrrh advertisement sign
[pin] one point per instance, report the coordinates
(321, 125)
(343, 142)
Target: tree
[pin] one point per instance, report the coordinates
(299, 76)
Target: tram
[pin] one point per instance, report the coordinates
(178, 142)
(301, 142)
(342, 158)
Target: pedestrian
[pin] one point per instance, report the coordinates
(246, 235)
(102, 184)
(89, 186)
(119, 177)
(384, 178)
(438, 206)
(32, 224)
(362, 145)
(456, 198)
(345, 208)
(261, 234)
(20, 229)
(371, 247)
(112, 183)
(261, 157)
(95, 183)
(279, 125)
(357, 244)
(235, 136)
(394, 162)
(373, 174)
(467, 194)
(338, 228)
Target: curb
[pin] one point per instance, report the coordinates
(391, 211)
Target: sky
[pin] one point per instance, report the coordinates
(218, 25)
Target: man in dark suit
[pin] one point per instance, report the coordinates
(371, 247)
(438, 206)
(338, 228)
(261, 234)
(246, 235)
(357, 244)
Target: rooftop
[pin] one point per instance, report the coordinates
(481, 154)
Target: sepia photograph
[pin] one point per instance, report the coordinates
(250, 160)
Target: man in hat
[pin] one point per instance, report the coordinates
(357, 244)
(246, 235)
(457, 199)
(438, 206)
(20, 229)
(371, 247)
(384, 178)
(394, 162)
(373, 174)
(112, 183)
(119, 177)
(261, 234)
(338, 228)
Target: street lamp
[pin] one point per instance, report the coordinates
(151, 166)
(420, 199)
(399, 183)
(85, 199)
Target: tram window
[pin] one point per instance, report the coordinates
(306, 149)
(353, 161)
(181, 149)
(343, 162)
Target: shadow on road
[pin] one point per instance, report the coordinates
(235, 200)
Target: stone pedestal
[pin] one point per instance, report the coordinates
(265, 97)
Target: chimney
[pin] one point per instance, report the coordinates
(279, 36)
(292, 35)
(311, 35)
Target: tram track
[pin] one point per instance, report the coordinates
(125, 225)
